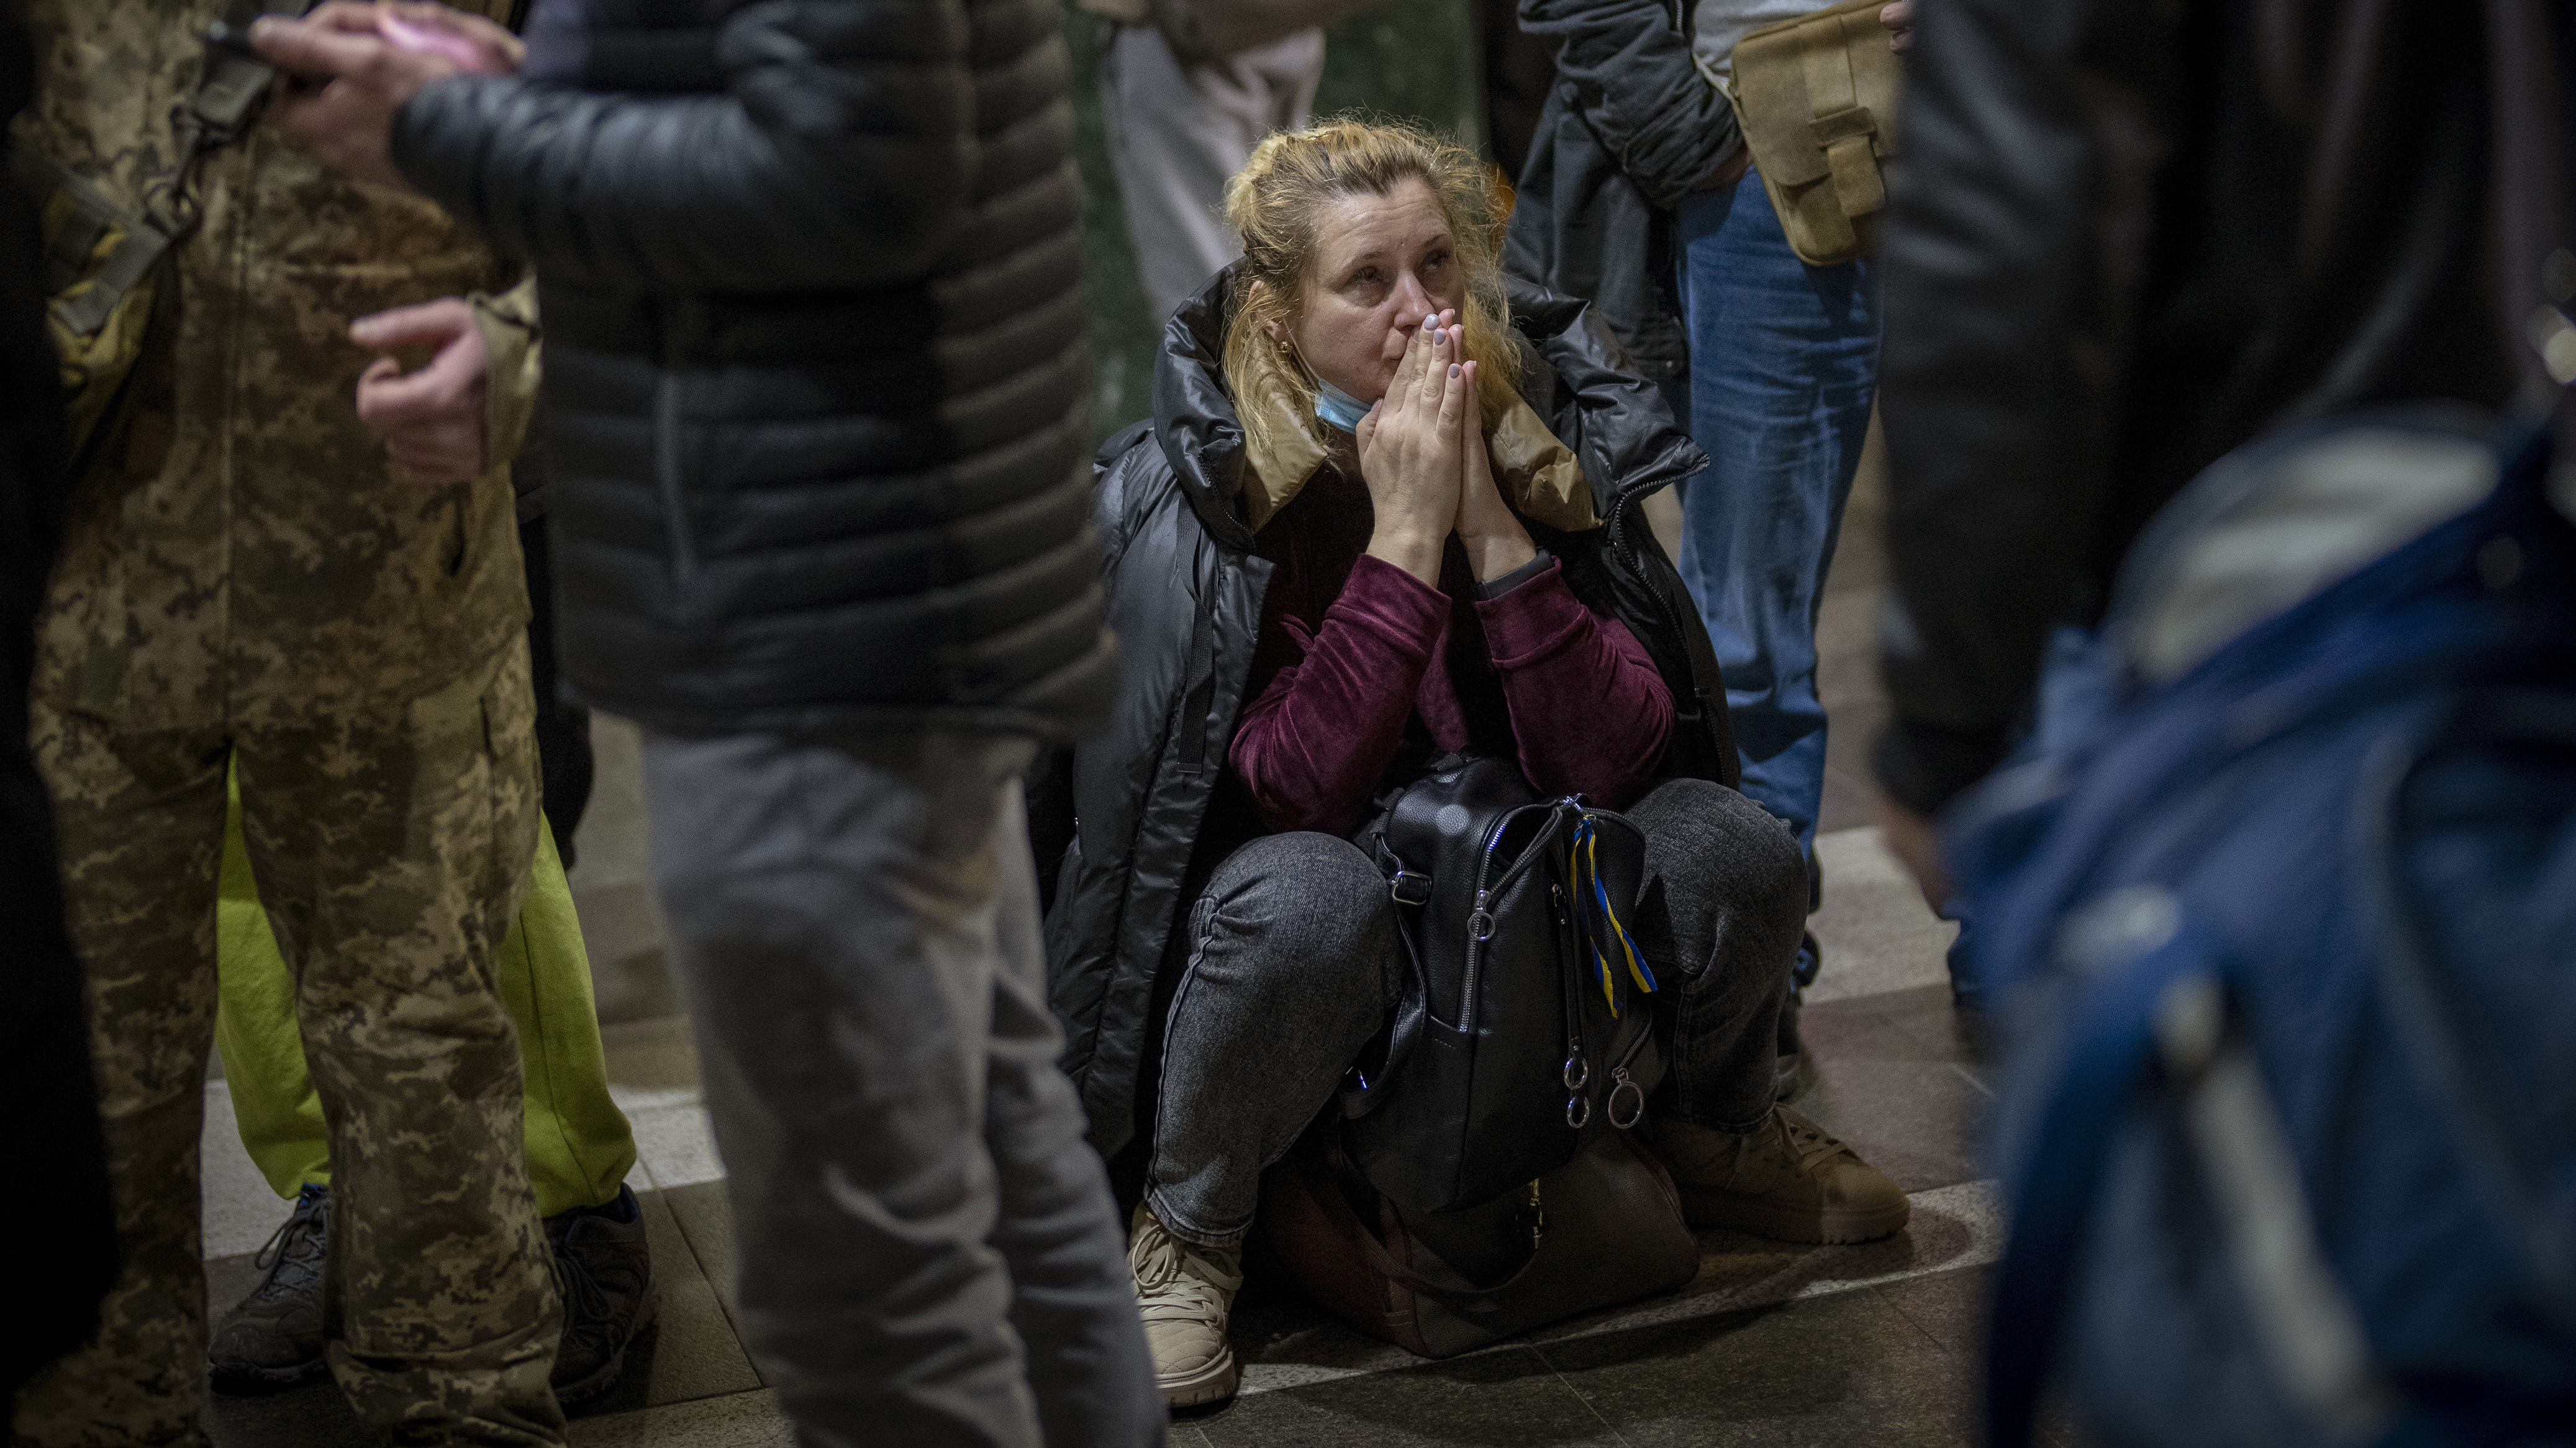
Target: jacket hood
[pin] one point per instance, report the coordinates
(1547, 475)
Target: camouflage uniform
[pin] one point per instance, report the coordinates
(243, 579)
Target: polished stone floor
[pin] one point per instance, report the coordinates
(1872, 1345)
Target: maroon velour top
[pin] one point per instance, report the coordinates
(1345, 702)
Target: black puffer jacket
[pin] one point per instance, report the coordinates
(810, 278)
(1185, 592)
(1629, 129)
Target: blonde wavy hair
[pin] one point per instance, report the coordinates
(1276, 203)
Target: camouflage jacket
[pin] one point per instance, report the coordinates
(245, 553)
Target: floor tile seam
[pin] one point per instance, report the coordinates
(724, 1309)
(1539, 1351)
(1889, 1300)
(1971, 1078)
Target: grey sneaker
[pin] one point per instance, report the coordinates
(1185, 1292)
(604, 1269)
(273, 1337)
(1785, 1178)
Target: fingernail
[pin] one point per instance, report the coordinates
(1453, 369)
(1432, 321)
(262, 27)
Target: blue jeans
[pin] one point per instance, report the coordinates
(1783, 362)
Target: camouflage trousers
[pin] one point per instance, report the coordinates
(390, 853)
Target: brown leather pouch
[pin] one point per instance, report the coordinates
(1603, 1229)
(1816, 98)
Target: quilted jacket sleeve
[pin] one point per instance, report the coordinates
(835, 158)
(1634, 84)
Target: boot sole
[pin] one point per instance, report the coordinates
(1840, 1227)
(1211, 1384)
(600, 1382)
(237, 1378)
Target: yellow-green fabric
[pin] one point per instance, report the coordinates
(579, 1147)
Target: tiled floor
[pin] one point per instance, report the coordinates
(1871, 1344)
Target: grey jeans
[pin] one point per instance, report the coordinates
(929, 1254)
(1294, 963)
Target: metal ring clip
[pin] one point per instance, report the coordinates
(1578, 1111)
(1636, 1113)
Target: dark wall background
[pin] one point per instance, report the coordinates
(1420, 59)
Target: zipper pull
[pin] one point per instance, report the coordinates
(1619, 1082)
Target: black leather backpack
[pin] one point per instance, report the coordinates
(1525, 1030)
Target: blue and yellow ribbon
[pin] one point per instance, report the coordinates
(1584, 867)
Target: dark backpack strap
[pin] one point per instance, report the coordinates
(2106, 1060)
(211, 118)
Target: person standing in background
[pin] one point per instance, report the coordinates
(1640, 195)
(2127, 241)
(44, 1053)
(1180, 125)
(815, 373)
(258, 577)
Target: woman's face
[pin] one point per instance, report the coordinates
(1382, 264)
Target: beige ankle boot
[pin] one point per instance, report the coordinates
(1185, 1294)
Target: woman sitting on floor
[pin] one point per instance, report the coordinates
(1351, 543)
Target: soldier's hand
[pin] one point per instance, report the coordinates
(432, 419)
(350, 81)
(1898, 17)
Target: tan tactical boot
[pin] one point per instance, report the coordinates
(1786, 1178)
(1185, 1293)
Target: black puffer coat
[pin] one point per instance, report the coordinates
(814, 361)
(2127, 239)
(1185, 592)
(1630, 127)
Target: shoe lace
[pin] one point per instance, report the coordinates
(1177, 1284)
(1808, 1143)
(585, 1301)
(293, 1255)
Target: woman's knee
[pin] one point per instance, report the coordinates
(1305, 902)
(1723, 848)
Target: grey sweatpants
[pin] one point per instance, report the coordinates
(1294, 964)
(1178, 131)
(928, 1250)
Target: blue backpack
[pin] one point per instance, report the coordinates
(2285, 937)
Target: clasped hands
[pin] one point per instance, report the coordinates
(1423, 459)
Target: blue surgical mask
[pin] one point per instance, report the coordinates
(1337, 407)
